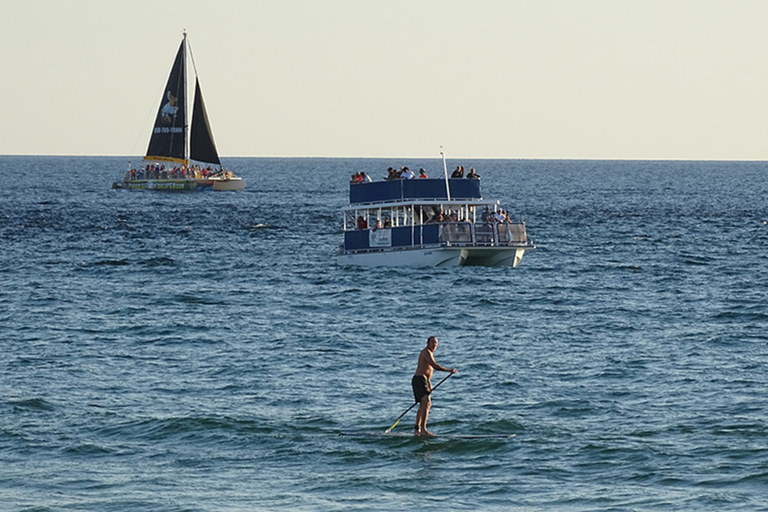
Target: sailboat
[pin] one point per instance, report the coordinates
(177, 152)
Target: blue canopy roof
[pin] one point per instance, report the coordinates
(416, 189)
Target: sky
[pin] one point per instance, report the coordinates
(552, 79)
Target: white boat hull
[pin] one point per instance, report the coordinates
(436, 257)
(228, 184)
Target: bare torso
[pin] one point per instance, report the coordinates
(426, 364)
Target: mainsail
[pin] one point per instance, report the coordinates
(168, 141)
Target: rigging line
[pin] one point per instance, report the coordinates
(192, 57)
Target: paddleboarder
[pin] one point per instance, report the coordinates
(422, 385)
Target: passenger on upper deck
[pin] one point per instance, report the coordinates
(406, 174)
(392, 174)
(473, 175)
(422, 173)
(458, 173)
(365, 177)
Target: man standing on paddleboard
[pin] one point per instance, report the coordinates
(422, 385)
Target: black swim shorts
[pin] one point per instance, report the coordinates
(420, 386)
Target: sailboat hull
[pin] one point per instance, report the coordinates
(181, 185)
(228, 184)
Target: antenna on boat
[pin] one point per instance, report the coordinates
(445, 174)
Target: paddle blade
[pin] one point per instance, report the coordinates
(393, 426)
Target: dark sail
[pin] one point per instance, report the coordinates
(168, 141)
(201, 145)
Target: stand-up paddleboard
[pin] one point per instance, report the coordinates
(436, 436)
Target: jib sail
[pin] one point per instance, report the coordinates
(201, 145)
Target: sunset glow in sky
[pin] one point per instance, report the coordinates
(666, 79)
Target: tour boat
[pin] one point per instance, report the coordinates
(426, 222)
(174, 144)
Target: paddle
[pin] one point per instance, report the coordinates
(414, 405)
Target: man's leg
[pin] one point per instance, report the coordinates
(422, 415)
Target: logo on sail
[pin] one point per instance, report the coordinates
(168, 112)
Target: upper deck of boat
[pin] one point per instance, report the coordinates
(396, 191)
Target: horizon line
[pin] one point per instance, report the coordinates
(438, 157)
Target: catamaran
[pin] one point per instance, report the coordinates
(177, 151)
(428, 223)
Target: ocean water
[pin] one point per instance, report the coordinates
(203, 352)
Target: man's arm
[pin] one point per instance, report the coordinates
(440, 367)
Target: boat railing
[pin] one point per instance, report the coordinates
(463, 234)
(456, 232)
(512, 232)
(497, 233)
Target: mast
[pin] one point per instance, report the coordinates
(186, 105)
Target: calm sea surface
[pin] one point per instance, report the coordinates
(203, 352)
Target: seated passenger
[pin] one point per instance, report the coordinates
(473, 175)
(458, 173)
(406, 174)
(422, 173)
(361, 223)
(365, 178)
